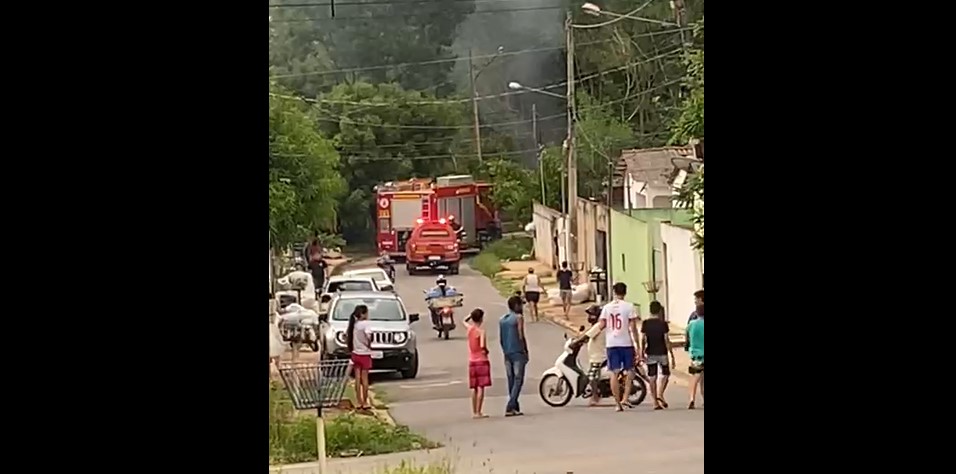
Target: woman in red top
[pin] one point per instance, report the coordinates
(479, 368)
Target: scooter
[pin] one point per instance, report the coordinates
(443, 320)
(566, 380)
(386, 263)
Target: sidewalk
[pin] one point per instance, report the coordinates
(577, 317)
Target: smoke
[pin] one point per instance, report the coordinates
(514, 26)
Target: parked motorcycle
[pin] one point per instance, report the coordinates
(300, 326)
(386, 263)
(566, 380)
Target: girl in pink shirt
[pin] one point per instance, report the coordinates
(479, 368)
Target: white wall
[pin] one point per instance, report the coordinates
(683, 273)
(542, 218)
(642, 197)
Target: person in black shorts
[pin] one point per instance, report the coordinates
(657, 348)
(531, 286)
(564, 287)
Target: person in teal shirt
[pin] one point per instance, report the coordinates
(695, 346)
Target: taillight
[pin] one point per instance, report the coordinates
(414, 247)
(450, 246)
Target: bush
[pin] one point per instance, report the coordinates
(443, 467)
(511, 248)
(292, 437)
(487, 263)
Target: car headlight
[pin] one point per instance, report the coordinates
(340, 337)
(400, 337)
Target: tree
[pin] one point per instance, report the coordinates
(689, 125)
(304, 182)
(514, 187)
(600, 137)
(384, 133)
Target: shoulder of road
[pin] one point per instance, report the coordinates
(577, 317)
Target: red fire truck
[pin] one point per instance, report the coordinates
(399, 205)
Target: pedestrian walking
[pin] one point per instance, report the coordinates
(618, 320)
(564, 288)
(698, 301)
(317, 264)
(479, 367)
(358, 341)
(657, 348)
(531, 285)
(514, 345)
(695, 346)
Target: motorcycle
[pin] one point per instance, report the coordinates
(300, 326)
(386, 263)
(566, 380)
(443, 313)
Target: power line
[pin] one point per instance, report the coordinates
(485, 97)
(408, 15)
(401, 158)
(379, 3)
(340, 119)
(457, 59)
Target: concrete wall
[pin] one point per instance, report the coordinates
(630, 262)
(683, 272)
(547, 223)
(592, 217)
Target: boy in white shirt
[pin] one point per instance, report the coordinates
(620, 318)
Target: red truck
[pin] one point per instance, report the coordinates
(433, 245)
(399, 205)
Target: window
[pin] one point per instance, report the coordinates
(384, 225)
(378, 309)
(434, 233)
(350, 286)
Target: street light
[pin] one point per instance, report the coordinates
(473, 77)
(594, 10)
(518, 86)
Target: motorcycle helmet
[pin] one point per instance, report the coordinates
(441, 281)
(594, 313)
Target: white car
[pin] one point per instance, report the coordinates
(342, 283)
(380, 276)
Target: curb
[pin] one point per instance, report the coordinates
(381, 414)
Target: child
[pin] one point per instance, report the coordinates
(358, 339)
(479, 368)
(695, 346)
(597, 352)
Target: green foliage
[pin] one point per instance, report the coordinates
(487, 263)
(553, 161)
(515, 187)
(690, 121)
(511, 248)
(442, 467)
(600, 138)
(292, 436)
(304, 182)
(691, 195)
(688, 125)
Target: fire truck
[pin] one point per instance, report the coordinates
(399, 205)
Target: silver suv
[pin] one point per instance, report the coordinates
(393, 339)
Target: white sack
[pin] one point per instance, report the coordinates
(579, 294)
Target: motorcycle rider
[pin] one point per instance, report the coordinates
(385, 263)
(455, 226)
(597, 352)
(440, 289)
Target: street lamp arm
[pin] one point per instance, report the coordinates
(517, 86)
(619, 17)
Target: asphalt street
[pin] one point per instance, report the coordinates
(546, 440)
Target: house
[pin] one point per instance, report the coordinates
(650, 176)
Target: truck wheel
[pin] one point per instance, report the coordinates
(412, 371)
(453, 269)
(410, 269)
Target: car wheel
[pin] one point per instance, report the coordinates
(412, 371)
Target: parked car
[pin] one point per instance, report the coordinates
(394, 344)
(344, 284)
(375, 273)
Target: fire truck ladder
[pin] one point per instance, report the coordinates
(426, 207)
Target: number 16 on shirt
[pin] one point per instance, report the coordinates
(615, 322)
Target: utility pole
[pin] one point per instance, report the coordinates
(571, 219)
(537, 150)
(474, 105)
(679, 18)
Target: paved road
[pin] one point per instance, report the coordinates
(546, 440)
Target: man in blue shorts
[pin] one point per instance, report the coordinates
(619, 321)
